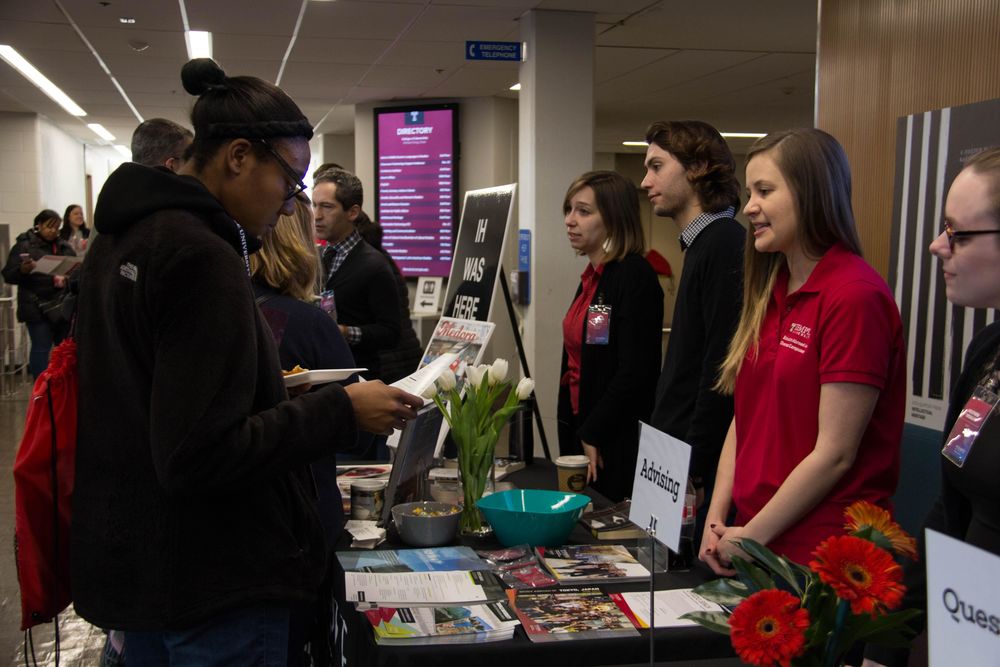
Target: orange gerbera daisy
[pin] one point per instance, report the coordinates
(860, 572)
(768, 628)
(863, 514)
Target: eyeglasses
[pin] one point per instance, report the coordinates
(952, 234)
(297, 184)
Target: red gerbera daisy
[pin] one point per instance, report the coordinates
(768, 628)
(860, 572)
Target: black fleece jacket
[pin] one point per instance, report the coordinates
(191, 494)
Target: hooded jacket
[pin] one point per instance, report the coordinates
(192, 495)
(33, 288)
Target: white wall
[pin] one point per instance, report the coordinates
(61, 167)
(20, 173)
(99, 162)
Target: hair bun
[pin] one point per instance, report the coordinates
(201, 75)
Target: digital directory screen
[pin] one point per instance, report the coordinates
(416, 185)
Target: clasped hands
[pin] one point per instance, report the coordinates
(718, 546)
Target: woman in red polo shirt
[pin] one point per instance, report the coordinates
(817, 364)
(611, 334)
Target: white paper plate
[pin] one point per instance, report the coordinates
(321, 376)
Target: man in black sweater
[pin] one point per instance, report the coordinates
(362, 281)
(690, 177)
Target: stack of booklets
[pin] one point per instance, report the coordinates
(592, 563)
(612, 523)
(459, 624)
(428, 596)
(570, 613)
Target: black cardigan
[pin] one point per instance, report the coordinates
(951, 513)
(365, 292)
(617, 380)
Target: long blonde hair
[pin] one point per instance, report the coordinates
(816, 169)
(287, 259)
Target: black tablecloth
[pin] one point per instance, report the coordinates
(671, 644)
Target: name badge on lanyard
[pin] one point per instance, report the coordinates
(970, 423)
(598, 324)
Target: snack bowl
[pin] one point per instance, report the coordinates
(537, 517)
(426, 524)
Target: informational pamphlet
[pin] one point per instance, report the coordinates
(56, 265)
(421, 589)
(586, 563)
(466, 624)
(567, 614)
(670, 606)
(429, 559)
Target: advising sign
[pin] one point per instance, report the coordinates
(476, 264)
(661, 473)
(963, 603)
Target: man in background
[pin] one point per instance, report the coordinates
(691, 178)
(360, 277)
(159, 142)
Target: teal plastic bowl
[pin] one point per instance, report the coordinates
(533, 516)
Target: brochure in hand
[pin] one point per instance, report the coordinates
(612, 523)
(584, 563)
(412, 626)
(57, 265)
(568, 613)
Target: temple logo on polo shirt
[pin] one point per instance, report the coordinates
(797, 338)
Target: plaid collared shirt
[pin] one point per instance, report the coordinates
(691, 232)
(333, 258)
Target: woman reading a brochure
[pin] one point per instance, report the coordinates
(611, 333)
(39, 295)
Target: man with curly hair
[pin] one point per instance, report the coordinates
(691, 178)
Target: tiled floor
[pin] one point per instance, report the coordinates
(80, 643)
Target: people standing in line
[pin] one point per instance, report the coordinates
(968, 506)
(817, 365)
(38, 293)
(691, 178)
(404, 357)
(74, 229)
(361, 279)
(159, 142)
(611, 333)
(194, 529)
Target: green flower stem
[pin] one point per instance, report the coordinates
(475, 428)
(832, 653)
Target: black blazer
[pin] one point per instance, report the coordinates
(617, 380)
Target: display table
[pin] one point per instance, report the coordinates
(671, 644)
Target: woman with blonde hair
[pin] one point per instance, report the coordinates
(817, 364)
(284, 273)
(611, 333)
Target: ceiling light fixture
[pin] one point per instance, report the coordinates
(128, 20)
(17, 61)
(726, 135)
(100, 131)
(516, 86)
(199, 43)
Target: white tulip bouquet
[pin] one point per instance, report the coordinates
(476, 423)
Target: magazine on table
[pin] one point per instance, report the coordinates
(461, 624)
(670, 606)
(570, 613)
(371, 590)
(579, 563)
(430, 559)
(612, 523)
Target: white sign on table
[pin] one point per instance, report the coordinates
(661, 473)
(963, 602)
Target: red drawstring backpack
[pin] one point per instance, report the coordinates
(43, 485)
